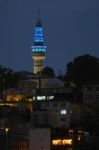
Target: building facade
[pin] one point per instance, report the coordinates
(40, 139)
(91, 94)
(52, 113)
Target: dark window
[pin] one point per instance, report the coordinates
(89, 88)
(45, 119)
(55, 104)
(63, 119)
(46, 104)
(63, 105)
(97, 88)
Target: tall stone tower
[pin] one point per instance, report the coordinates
(38, 49)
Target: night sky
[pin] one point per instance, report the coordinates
(71, 29)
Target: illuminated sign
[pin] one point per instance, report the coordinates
(62, 142)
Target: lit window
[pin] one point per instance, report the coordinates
(50, 97)
(40, 97)
(34, 98)
(63, 112)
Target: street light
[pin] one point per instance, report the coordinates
(6, 130)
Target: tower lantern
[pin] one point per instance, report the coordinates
(38, 49)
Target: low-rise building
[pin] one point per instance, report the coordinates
(52, 113)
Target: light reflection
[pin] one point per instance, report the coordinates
(78, 138)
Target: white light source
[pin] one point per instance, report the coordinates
(63, 112)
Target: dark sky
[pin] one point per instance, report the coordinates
(71, 29)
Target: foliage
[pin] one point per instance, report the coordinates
(69, 73)
(83, 69)
(48, 71)
(8, 78)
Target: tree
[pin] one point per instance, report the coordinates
(69, 73)
(83, 69)
(47, 71)
(8, 78)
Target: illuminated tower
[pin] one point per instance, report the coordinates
(38, 50)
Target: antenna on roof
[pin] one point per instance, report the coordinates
(38, 12)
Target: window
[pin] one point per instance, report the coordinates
(97, 97)
(50, 97)
(89, 88)
(88, 97)
(63, 119)
(55, 104)
(97, 88)
(63, 112)
(40, 97)
(45, 119)
(63, 105)
(47, 104)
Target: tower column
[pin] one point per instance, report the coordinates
(38, 49)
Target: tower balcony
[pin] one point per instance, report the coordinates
(38, 48)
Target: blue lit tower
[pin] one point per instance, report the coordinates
(38, 50)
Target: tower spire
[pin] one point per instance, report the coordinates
(38, 12)
(38, 21)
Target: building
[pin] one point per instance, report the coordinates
(38, 50)
(52, 113)
(91, 93)
(40, 139)
(50, 139)
(14, 128)
(52, 101)
(51, 105)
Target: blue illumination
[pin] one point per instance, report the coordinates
(38, 48)
(38, 31)
(38, 35)
(38, 39)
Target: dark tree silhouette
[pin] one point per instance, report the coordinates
(8, 78)
(83, 69)
(48, 71)
(69, 73)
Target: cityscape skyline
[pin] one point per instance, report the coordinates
(71, 29)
